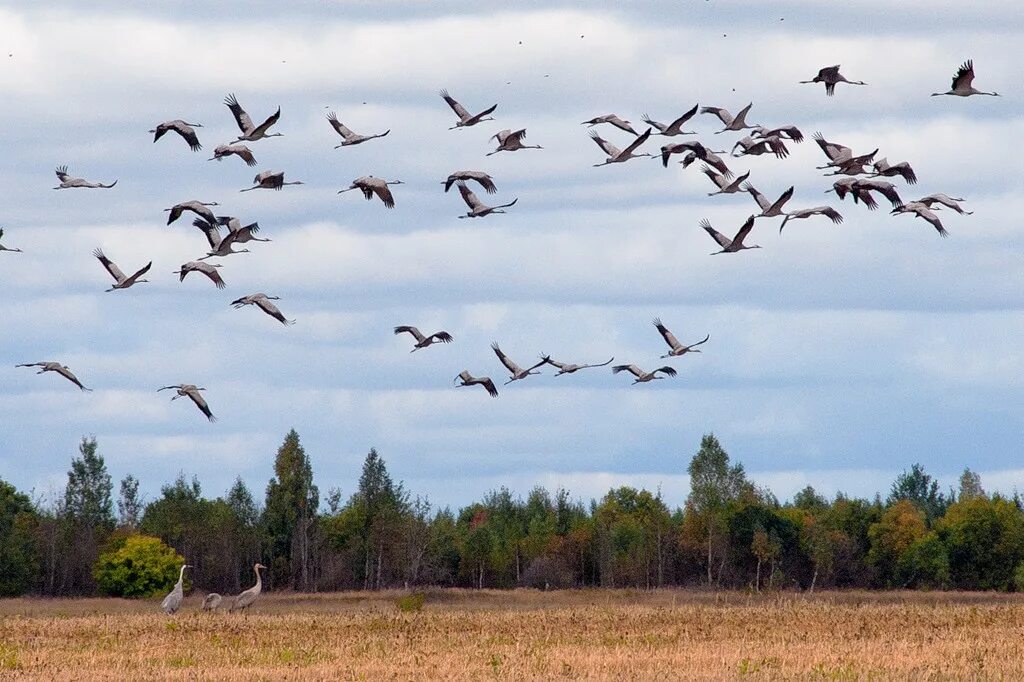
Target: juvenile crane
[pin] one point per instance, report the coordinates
(830, 76)
(615, 155)
(370, 185)
(963, 83)
(186, 130)
(465, 118)
(942, 199)
(642, 376)
(509, 141)
(485, 180)
(68, 182)
(676, 126)
(478, 209)
(731, 123)
(468, 379)
(730, 245)
(612, 119)
(517, 372)
(172, 602)
(421, 340)
(211, 602)
(263, 302)
(239, 150)
(191, 391)
(204, 268)
(270, 180)
(200, 208)
(676, 347)
(250, 132)
(350, 138)
(59, 369)
(249, 597)
(5, 248)
(800, 214)
(922, 211)
(570, 368)
(120, 280)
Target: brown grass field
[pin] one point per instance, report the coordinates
(575, 634)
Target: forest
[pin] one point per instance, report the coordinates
(728, 534)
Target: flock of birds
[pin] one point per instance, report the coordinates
(861, 180)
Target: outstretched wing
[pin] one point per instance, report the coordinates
(632, 369)
(272, 310)
(459, 110)
(271, 120)
(669, 337)
(384, 192)
(67, 374)
(201, 404)
(489, 385)
(665, 370)
(611, 150)
(62, 173)
(410, 330)
(964, 77)
(338, 126)
(468, 196)
(443, 337)
(744, 231)
(637, 142)
(678, 123)
(722, 240)
(241, 118)
(111, 267)
(724, 116)
(509, 365)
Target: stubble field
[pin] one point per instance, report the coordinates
(463, 634)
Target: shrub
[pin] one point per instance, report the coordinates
(141, 566)
(411, 603)
(1018, 577)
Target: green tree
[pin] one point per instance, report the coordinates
(985, 541)
(921, 490)
(970, 486)
(902, 525)
(290, 514)
(87, 497)
(19, 558)
(129, 505)
(138, 566)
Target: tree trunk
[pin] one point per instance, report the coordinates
(757, 578)
(709, 555)
(380, 561)
(814, 579)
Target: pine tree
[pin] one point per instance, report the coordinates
(87, 498)
(129, 505)
(291, 509)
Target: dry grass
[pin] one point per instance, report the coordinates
(463, 634)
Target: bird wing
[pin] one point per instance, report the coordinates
(722, 240)
(678, 123)
(828, 72)
(744, 231)
(518, 135)
(384, 192)
(611, 150)
(786, 196)
(554, 363)
(271, 120)
(831, 149)
(778, 147)
(459, 110)
(723, 115)
(637, 142)
(483, 113)
(511, 366)
(67, 374)
(62, 173)
(111, 267)
(410, 330)
(761, 200)
(189, 134)
(632, 369)
(485, 181)
(903, 169)
(212, 273)
(665, 370)
(717, 162)
(271, 309)
(211, 230)
(793, 132)
(443, 337)
(715, 176)
(142, 271)
(964, 77)
(241, 118)
(201, 404)
(741, 118)
(489, 385)
(339, 127)
(468, 196)
(654, 124)
(669, 337)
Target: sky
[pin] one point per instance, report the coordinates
(839, 354)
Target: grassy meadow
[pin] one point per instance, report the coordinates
(574, 634)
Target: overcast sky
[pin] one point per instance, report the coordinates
(839, 355)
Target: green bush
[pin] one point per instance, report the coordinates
(1018, 577)
(140, 566)
(411, 603)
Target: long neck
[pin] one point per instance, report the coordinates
(259, 580)
(181, 575)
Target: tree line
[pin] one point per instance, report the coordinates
(728, 534)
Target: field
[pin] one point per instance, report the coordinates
(462, 634)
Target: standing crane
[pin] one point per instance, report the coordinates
(172, 602)
(477, 208)
(205, 268)
(465, 118)
(509, 141)
(942, 199)
(59, 369)
(830, 76)
(612, 119)
(370, 185)
(191, 391)
(615, 155)
(120, 280)
(570, 368)
(485, 180)
(723, 184)
(350, 138)
(800, 214)
(249, 597)
(922, 211)
(468, 379)
(769, 209)
(963, 83)
(4, 248)
(263, 302)
(676, 347)
(731, 123)
(250, 132)
(186, 130)
(200, 208)
(239, 150)
(68, 182)
(676, 126)
(421, 340)
(642, 376)
(270, 180)
(730, 245)
(517, 372)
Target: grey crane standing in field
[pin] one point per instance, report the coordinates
(250, 132)
(731, 123)
(517, 372)
(369, 186)
(485, 180)
(676, 347)
(570, 368)
(942, 199)
(723, 184)
(421, 340)
(769, 145)
(186, 130)
(68, 182)
(5, 248)
(613, 120)
(205, 268)
(350, 138)
(239, 150)
(477, 208)
(240, 234)
(191, 391)
(468, 379)
(509, 141)
(200, 208)
(120, 280)
(172, 602)
(922, 211)
(643, 377)
(270, 180)
(615, 155)
(676, 126)
(465, 118)
(730, 245)
(263, 302)
(59, 369)
(784, 132)
(800, 214)
(885, 169)
(769, 209)
(830, 76)
(963, 83)
(211, 602)
(249, 597)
